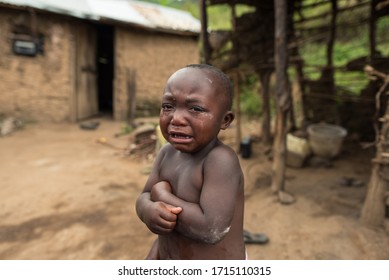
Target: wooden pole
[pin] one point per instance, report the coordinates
(131, 95)
(372, 30)
(238, 137)
(264, 77)
(331, 38)
(282, 102)
(207, 51)
(279, 146)
(373, 211)
(237, 110)
(298, 64)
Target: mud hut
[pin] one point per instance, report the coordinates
(71, 60)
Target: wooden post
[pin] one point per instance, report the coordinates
(299, 70)
(372, 30)
(282, 103)
(131, 95)
(264, 77)
(373, 211)
(331, 38)
(238, 137)
(207, 51)
(237, 110)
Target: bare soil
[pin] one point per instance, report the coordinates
(65, 195)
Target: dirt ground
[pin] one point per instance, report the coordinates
(64, 195)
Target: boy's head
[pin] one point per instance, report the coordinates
(221, 77)
(196, 104)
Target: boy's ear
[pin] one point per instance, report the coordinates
(227, 120)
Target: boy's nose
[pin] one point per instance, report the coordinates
(178, 118)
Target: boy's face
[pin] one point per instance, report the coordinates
(193, 110)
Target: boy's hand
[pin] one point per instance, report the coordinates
(162, 217)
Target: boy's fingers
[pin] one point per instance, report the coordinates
(173, 209)
(168, 216)
(168, 212)
(162, 229)
(176, 210)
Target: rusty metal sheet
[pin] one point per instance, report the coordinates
(148, 15)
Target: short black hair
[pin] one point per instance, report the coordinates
(224, 79)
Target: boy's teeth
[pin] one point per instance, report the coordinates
(181, 136)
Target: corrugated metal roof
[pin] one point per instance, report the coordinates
(127, 11)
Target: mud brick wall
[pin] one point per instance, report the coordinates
(35, 88)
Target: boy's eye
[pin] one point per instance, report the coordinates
(167, 107)
(197, 109)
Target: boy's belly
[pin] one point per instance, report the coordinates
(175, 246)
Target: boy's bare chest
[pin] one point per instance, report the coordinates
(185, 176)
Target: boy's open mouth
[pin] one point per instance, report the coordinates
(180, 137)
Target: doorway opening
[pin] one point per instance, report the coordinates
(105, 68)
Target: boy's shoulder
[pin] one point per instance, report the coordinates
(166, 149)
(223, 153)
(224, 149)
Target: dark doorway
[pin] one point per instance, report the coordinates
(105, 68)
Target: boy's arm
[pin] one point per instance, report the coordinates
(159, 217)
(210, 219)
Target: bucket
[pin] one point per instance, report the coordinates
(245, 147)
(297, 150)
(326, 140)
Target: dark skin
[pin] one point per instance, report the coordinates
(193, 198)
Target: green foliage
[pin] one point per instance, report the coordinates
(251, 105)
(250, 99)
(350, 82)
(344, 52)
(383, 35)
(315, 54)
(220, 17)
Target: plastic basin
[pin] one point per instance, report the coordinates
(325, 140)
